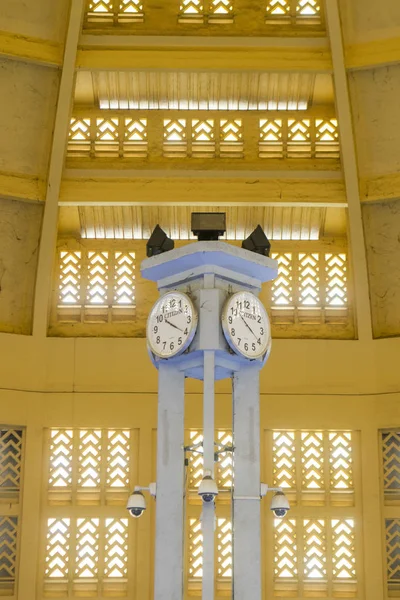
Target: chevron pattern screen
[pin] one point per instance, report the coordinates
(88, 482)
(391, 462)
(11, 473)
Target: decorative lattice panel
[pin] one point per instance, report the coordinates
(118, 451)
(314, 537)
(282, 287)
(135, 137)
(89, 458)
(8, 551)
(195, 550)
(79, 137)
(312, 460)
(308, 8)
(285, 550)
(69, 286)
(271, 138)
(57, 549)
(60, 458)
(221, 10)
(309, 280)
(280, 8)
(124, 279)
(130, 11)
(195, 468)
(284, 459)
(191, 10)
(203, 137)
(225, 461)
(231, 137)
(321, 460)
(343, 549)
(10, 460)
(393, 551)
(391, 461)
(87, 548)
(224, 549)
(107, 137)
(175, 139)
(103, 8)
(326, 138)
(97, 284)
(336, 280)
(116, 549)
(341, 460)
(299, 138)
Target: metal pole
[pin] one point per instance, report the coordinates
(246, 496)
(208, 514)
(170, 485)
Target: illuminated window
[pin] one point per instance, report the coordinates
(11, 463)
(88, 551)
(314, 463)
(224, 467)
(96, 285)
(114, 12)
(311, 287)
(293, 12)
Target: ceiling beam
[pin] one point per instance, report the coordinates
(349, 162)
(19, 186)
(57, 157)
(29, 49)
(370, 55)
(213, 57)
(381, 188)
(202, 189)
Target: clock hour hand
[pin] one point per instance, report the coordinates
(172, 325)
(247, 325)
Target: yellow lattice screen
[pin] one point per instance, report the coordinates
(317, 464)
(118, 134)
(311, 287)
(114, 12)
(96, 285)
(293, 12)
(315, 550)
(11, 475)
(89, 473)
(390, 452)
(224, 466)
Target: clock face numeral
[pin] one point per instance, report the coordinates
(246, 325)
(171, 325)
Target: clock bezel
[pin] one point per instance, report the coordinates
(228, 337)
(193, 325)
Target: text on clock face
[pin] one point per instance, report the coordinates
(247, 325)
(171, 324)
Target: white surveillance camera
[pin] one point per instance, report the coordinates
(136, 504)
(208, 488)
(280, 505)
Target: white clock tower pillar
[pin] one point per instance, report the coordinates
(212, 327)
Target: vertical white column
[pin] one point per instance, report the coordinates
(170, 485)
(246, 502)
(208, 513)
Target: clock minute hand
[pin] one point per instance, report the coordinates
(247, 325)
(172, 325)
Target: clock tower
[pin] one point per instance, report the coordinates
(208, 324)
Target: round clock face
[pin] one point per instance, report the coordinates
(246, 325)
(171, 325)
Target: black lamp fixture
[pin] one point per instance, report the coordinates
(257, 242)
(159, 242)
(208, 226)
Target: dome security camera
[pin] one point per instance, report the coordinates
(208, 488)
(280, 505)
(136, 504)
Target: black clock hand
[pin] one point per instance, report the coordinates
(172, 325)
(247, 325)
